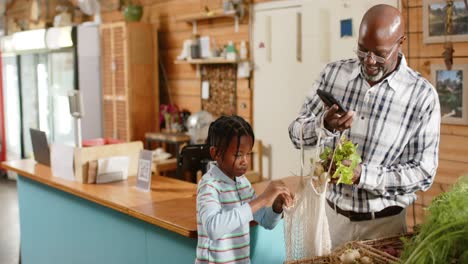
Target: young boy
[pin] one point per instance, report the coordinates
(226, 201)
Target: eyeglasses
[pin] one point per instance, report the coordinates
(363, 55)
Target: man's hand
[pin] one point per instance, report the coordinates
(335, 120)
(357, 172)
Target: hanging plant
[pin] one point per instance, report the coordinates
(132, 10)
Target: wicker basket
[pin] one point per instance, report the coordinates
(377, 256)
(382, 244)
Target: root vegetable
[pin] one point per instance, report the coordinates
(350, 256)
(366, 260)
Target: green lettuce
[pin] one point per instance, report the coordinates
(345, 150)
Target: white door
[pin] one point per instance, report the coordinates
(278, 82)
(292, 41)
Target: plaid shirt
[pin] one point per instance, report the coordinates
(396, 126)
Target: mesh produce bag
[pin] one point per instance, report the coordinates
(306, 231)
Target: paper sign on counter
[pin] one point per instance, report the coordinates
(144, 170)
(112, 169)
(62, 161)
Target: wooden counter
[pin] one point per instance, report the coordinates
(156, 207)
(171, 204)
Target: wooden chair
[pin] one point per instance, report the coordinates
(162, 167)
(255, 174)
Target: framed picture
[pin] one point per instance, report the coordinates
(435, 17)
(452, 87)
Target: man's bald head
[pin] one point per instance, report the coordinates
(381, 24)
(381, 33)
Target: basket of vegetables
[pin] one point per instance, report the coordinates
(350, 253)
(393, 246)
(443, 236)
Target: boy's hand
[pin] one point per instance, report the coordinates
(282, 200)
(273, 189)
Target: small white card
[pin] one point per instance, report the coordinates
(112, 169)
(144, 170)
(205, 90)
(62, 161)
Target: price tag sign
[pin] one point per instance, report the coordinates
(144, 170)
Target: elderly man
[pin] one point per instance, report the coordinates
(394, 117)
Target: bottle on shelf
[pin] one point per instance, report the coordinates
(195, 47)
(231, 53)
(243, 51)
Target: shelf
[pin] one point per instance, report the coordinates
(194, 18)
(204, 16)
(206, 61)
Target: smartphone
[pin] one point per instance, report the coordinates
(330, 100)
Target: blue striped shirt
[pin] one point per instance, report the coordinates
(223, 218)
(397, 128)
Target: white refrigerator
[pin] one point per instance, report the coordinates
(37, 81)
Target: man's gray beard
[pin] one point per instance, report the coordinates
(372, 78)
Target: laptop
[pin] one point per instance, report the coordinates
(40, 146)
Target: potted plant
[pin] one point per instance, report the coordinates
(132, 10)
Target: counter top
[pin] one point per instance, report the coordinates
(171, 203)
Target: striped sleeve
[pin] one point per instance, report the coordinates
(267, 218)
(418, 162)
(216, 220)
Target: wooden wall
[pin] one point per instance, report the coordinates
(18, 14)
(453, 155)
(183, 84)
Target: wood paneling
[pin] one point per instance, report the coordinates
(415, 14)
(183, 81)
(449, 171)
(453, 152)
(189, 87)
(18, 15)
(244, 107)
(453, 148)
(455, 130)
(414, 215)
(420, 50)
(190, 103)
(221, 35)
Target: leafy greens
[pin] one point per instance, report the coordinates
(345, 150)
(443, 237)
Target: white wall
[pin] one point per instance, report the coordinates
(280, 85)
(342, 48)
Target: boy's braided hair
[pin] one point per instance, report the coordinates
(224, 129)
